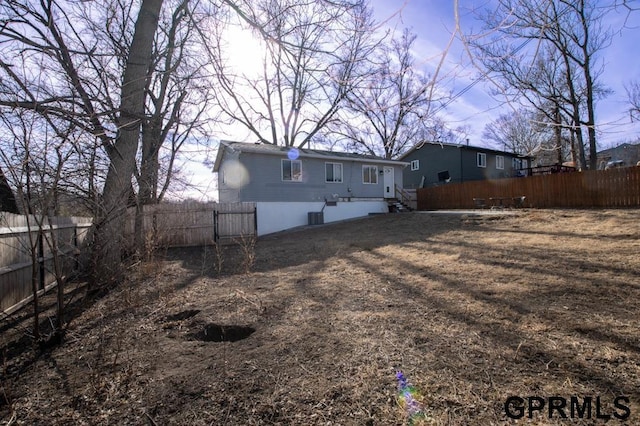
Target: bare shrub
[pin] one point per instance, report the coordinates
(247, 244)
(5, 388)
(219, 257)
(154, 249)
(212, 253)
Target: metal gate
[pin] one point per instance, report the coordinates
(236, 222)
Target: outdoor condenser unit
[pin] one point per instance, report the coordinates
(316, 218)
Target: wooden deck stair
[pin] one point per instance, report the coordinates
(405, 200)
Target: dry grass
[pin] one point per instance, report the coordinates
(472, 309)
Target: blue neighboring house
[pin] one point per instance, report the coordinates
(433, 163)
(292, 185)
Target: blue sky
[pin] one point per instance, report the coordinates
(433, 22)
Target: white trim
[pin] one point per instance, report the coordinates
(500, 164)
(341, 172)
(370, 166)
(481, 159)
(415, 165)
(298, 179)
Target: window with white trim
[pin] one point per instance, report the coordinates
(370, 174)
(333, 172)
(482, 159)
(525, 164)
(415, 165)
(292, 170)
(499, 162)
(516, 163)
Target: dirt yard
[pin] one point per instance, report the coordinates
(543, 306)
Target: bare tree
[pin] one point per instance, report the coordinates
(438, 130)
(116, 80)
(178, 95)
(571, 33)
(111, 217)
(312, 51)
(526, 133)
(177, 98)
(35, 154)
(389, 111)
(633, 96)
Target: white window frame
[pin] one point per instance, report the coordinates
(516, 163)
(481, 159)
(415, 165)
(326, 177)
(294, 178)
(499, 162)
(371, 171)
(525, 163)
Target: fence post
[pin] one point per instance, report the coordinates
(255, 221)
(216, 236)
(40, 241)
(76, 252)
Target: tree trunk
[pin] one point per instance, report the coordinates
(148, 180)
(591, 120)
(558, 132)
(110, 223)
(574, 153)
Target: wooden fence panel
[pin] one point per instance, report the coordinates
(167, 225)
(235, 220)
(25, 238)
(194, 224)
(594, 188)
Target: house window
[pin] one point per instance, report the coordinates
(370, 174)
(415, 165)
(333, 172)
(482, 159)
(499, 162)
(525, 164)
(517, 163)
(292, 170)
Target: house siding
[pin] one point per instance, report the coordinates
(459, 160)
(226, 192)
(265, 180)
(253, 172)
(628, 153)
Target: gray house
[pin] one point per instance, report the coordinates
(290, 183)
(623, 155)
(434, 163)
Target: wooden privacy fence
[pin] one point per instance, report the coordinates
(194, 224)
(26, 252)
(592, 188)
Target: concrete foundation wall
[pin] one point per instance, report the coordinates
(278, 216)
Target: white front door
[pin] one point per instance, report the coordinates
(389, 183)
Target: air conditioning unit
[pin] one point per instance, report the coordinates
(316, 218)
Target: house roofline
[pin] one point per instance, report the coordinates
(463, 146)
(221, 148)
(305, 153)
